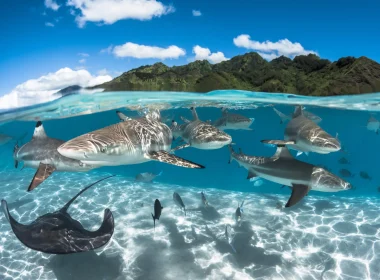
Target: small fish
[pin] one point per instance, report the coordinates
(373, 124)
(346, 173)
(157, 212)
(238, 212)
(178, 201)
(204, 200)
(365, 175)
(146, 177)
(228, 233)
(343, 160)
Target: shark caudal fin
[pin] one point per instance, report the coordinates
(231, 153)
(67, 205)
(166, 157)
(42, 173)
(282, 116)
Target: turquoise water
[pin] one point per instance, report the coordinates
(325, 236)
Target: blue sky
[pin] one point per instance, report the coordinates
(30, 48)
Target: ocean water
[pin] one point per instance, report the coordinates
(325, 236)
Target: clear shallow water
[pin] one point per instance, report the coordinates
(337, 232)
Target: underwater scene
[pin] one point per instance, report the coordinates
(174, 185)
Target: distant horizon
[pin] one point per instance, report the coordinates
(51, 44)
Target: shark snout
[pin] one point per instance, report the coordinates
(333, 145)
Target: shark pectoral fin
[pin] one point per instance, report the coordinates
(298, 192)
(278, 143)
(16, 164)
(180, 147)
(164, 156)
(43, 172)
(251, 174)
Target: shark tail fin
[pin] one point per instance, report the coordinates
(231, 152)
(282, 116)
(42, 173)
(64, 208)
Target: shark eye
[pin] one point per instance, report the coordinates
(81, 164)
(103, 149)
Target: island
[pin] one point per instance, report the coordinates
(305, 75)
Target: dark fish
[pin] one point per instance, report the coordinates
(157, 212)
(58, 233)
(365, 175)
(178, 200)
(343, 160)
(204, 200)
(146, 177)
(345, 173)
(238, 212)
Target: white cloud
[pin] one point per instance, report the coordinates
(141, 51)
(197, 13)
(49, 24)
(205, 53)
(107, 50)
(270, 50)
(42, 89)
(110, 11)
(83, 54)
(83, 60)
(51, 4)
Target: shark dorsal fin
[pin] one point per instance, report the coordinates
(283, 152)
(224, 111)
(195, 115)
(39, 131)
(298, 111)
(67, 205)
(153, 115)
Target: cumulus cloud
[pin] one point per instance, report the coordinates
(270, 50)
(197, 13)
(42, 89)
(141, 51)
(110, 11)
(205, 53)
(51, 4)
(49, 24)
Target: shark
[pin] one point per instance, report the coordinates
(41, 153)
(131, 141)
(199, 134)
(233, 121)
(304, 136)
(282, 168)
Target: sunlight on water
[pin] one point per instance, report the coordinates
(325, 236)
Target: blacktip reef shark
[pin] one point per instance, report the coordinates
(307, 114)
(199, 134)
(233, 121)
(373, 124)
(131, 141)
(304, 136)
(58, 233)
(282, 168)
(41, 153)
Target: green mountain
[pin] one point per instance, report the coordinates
(305, 74)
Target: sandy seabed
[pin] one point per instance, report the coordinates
(320, 238)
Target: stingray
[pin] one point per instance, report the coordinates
(58, 233)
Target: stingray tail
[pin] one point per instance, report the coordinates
(184, 209)
(64, 208)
